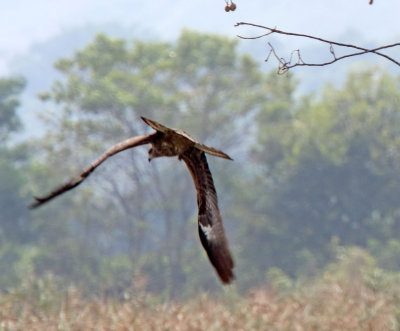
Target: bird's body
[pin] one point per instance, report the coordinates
(174, 142)
(169, 144)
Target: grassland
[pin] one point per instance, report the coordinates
(324, 305)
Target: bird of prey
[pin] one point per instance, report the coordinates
(174, 142)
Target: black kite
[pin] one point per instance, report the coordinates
(173, 142)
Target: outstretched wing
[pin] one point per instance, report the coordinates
(75, 181)
(211, 229)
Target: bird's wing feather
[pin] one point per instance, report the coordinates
(75, 181)
(155, 125)
(211, 230)
(212, 151)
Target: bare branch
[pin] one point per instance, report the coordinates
(296, 60)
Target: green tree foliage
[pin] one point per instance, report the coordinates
(10, 176)
(330, 171)
(10, 88)
(15, 231)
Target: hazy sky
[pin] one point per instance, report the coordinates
(25, 22)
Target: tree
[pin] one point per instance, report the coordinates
(330, 172)
(16, 234)
(10, 88)
(10, 176)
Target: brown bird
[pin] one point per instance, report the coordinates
(174, 142)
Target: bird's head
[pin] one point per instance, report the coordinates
(153, 153)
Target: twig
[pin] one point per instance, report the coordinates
(286, 65)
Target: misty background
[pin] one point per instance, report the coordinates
(316, 151)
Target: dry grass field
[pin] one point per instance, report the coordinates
(325, 305)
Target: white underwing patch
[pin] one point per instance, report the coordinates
(208, 231)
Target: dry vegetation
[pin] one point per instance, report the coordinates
(324, 305)
(352, 293)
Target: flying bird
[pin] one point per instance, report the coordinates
(175, 142)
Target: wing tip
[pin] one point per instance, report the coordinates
(146, 120)
(154, 125)
(224, 267)
(213, 151)
(227, 279)
(38, 202)
(226, 156)
(150, 122)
